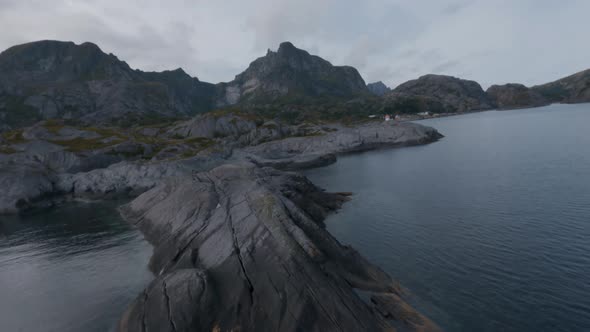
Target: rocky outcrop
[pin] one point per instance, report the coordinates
(23, 185)
(571, 89)
(29, 183)
(213, 125)
(509, 96)
(319, 149)
(99, 162)
(453, 94)
(239, 243)
(378, 88)
(52, 79)
(291, 71)
(243, 248)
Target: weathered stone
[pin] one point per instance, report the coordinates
(256, 235)
(320, 149)
(182, 300)
(214, 126)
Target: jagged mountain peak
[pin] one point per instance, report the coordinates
(60, 79)
(59, 61)
(287, 46)
(291, 71)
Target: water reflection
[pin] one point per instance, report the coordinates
(73, 268)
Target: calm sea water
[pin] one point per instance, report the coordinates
(489, 228)
(74, 268)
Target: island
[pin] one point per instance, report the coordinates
(211, 172)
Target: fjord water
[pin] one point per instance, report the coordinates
(489, 228)
(73, 268)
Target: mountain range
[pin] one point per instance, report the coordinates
(82, 84)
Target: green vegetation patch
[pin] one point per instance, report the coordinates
(270, 126)
(106, 132)
(238, 112)
(200, 141)
(53, 126)
(14, 137)
(86, 144)
(7, 150)
(81, 144)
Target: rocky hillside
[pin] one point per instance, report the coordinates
(290, 72)
(451, 93)
(514, 95)
(83, 85)
(53, 79)
(571, 89)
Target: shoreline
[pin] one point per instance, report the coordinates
(244, 235)
(444, 115)
(293, 234)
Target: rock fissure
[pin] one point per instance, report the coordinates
(238, 252)
(168, 306)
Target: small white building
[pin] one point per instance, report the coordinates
(387, 117)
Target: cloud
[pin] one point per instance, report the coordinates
(528, 41)
(455, 7)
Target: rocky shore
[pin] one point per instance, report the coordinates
(239, 241)
(239, 238)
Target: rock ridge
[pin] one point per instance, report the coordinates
(252, 242)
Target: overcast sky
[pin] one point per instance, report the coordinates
(527, 41)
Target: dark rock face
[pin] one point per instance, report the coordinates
(378, 88)
(244, 248)
(168, 304)
(453, 94)
(571, 89)
(52, 79)
(291, 71)
(512, 95)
